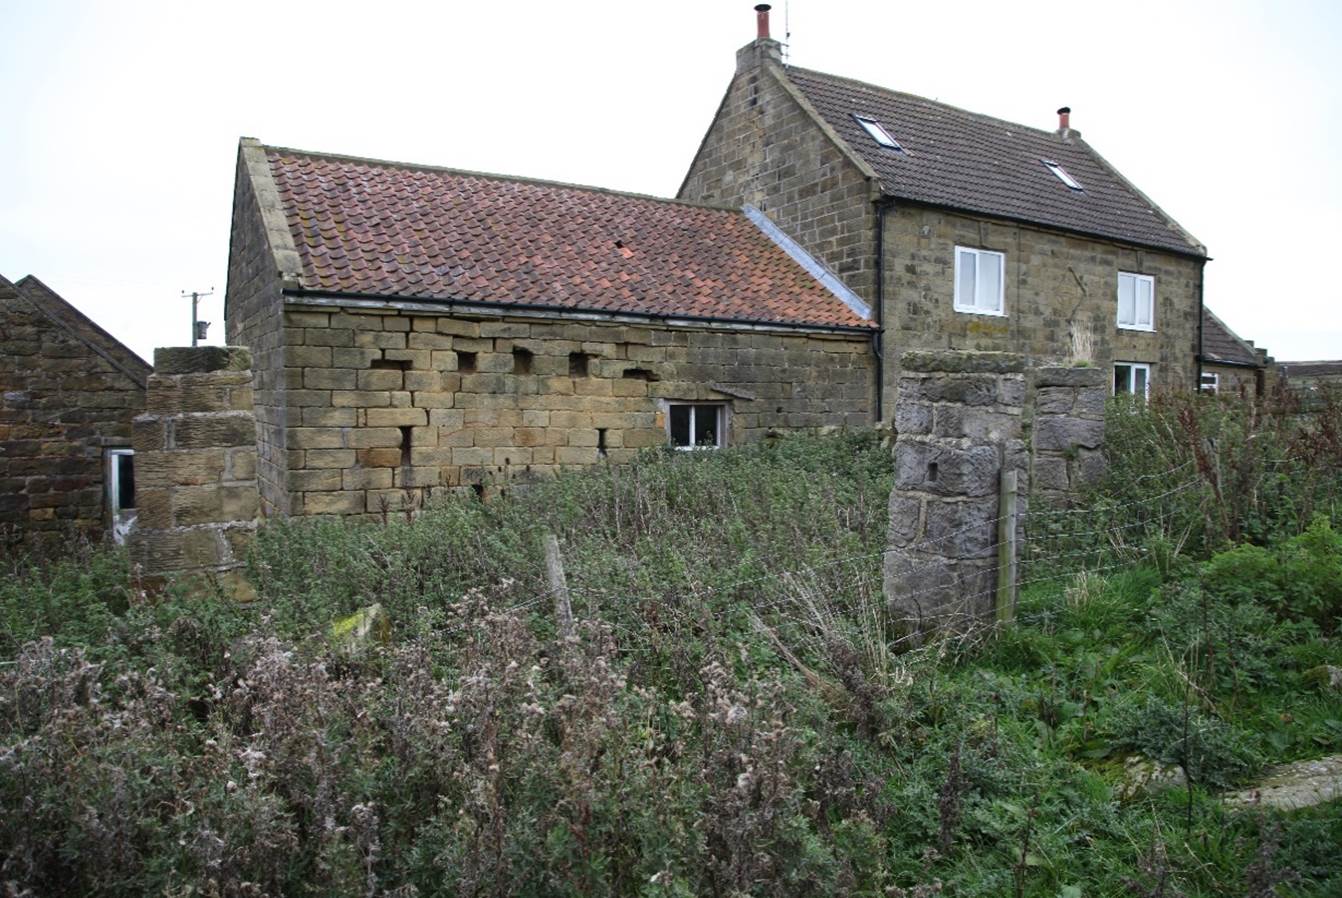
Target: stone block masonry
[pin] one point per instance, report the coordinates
(195, 451)
(68, 392)
(959, 418)
(387, 408)
(1068, 432)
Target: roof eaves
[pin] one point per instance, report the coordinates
(1197, 246)
(1045, 226)
(299, 294)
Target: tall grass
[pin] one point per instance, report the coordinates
(731, 717)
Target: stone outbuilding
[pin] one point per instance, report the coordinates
(416, 329)
(1229, 363)
(69, 392)
(1310, 377)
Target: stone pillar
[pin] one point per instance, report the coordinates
(958, 419)
(1067, 432)
(195, 466)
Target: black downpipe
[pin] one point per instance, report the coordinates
(883, 205)
(1197, 384)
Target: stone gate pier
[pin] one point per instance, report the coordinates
(195, 461)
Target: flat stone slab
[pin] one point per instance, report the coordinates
(1294, 786)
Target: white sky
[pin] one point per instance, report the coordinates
(119, 122)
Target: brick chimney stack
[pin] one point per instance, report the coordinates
(1065, 129)
(763, 48)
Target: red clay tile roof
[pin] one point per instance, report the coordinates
(963, 160)
(416, 232)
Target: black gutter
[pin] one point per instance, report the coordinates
(883, 205)
(1189, 253)
(559, 310)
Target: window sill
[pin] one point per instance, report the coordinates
(990, 314)
(1137, 327)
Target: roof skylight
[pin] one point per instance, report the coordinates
(1062, 174)
(878, 132)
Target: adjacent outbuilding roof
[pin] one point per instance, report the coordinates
(1319, 368)
(956, 159)
(382, 229)
(1221, 345)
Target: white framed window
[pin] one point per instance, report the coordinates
(1136, 301)
(1211, 382)
(1132, 378)
(697, 425)
(980, 285)
(121, 491)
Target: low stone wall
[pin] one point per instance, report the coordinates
(195, 458)
(1068, 431)
(959, 424)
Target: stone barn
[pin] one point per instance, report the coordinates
(69, 393)
(416, 329)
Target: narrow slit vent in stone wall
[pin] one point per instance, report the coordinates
(405, 445)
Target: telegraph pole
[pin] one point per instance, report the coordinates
(198, 327)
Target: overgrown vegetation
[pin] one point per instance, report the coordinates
(729, 719)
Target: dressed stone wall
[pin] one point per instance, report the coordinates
(195, 453)
(1068, 431)
(1058, 288)
(68, 393)
(959, 420)
(384, 408)
(765, 149)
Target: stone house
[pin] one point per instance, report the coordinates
(68, 392)
(961, 231)
(416, 329)
(1231, 364)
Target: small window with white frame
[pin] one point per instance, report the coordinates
(1211, 382)
(121, 492)
(979, 281)
(1136, 301)
(1132, 379)
(697, 425)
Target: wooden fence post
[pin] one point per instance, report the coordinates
(1006, 549)
(554, 573)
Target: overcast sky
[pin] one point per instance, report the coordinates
(119, 122)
